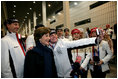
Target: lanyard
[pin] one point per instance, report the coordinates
(77, 51)
(51, 45)
(20, 43)
(93, 51)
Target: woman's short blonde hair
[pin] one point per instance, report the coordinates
(40, 32)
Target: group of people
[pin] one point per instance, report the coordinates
(50, 54)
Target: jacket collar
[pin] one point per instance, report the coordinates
(13, 35)
(40, 46)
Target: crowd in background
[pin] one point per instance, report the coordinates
(52, 53)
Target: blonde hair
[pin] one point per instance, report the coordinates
(108, 39)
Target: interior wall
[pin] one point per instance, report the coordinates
(100, 16)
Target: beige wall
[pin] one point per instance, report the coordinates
(59, 20)
(100, 16)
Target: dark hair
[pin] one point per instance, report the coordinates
(52, 31)
(40, 32)
(59, 29)
(10, 21)
(39, 25)
(66, 29)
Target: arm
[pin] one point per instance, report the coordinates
(111, 46)
(86, 61)
(5, 63)
(109, 53)
(80, 42)
(29, 42)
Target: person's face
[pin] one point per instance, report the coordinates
(53, 38)
(13, 27)
(59, 33)
(93, 34)
(45, 39)
(106, 35)
(101, 35)
(76, 36)
(66, 32)
(81, 34)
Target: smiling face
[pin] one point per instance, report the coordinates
(66, 33)
(75, 36)
(45, 39)
(53, 38)
(59, 33)
(13, 27)
(93, 34)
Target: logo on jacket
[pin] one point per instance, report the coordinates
(16, 46)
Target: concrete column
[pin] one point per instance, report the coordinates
(44, 12)
(3, 29)
(66, 14)
(26, 28)
(3, 17)
(23, 33)
(4, 9)
(29, 25)
(34, 19)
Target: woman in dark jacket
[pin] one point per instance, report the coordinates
(39, 62)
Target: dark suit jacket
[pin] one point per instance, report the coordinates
(39, 63)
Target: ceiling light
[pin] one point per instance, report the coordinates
(34, 2)
(13, 15)
(53, 16)
(28, 13)
(39, 14)
(25, 16)
(49, 19)
(59, 13)
(14, 11)
(75, 3)
(30, 8)
(49, 5)
(14, 5)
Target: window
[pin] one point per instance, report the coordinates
(83, 22)
(97, 4)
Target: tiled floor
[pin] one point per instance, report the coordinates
(112, 74)
(113, 71)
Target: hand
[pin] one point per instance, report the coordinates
(81, 68)
(30, 48)
(100, 62)
(92, 62)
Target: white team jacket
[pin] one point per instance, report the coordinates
(105, 55)
(62, 62)
(30, 41)
(85, 60)
(9, 44)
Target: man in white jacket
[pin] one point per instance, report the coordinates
(12, 51)
(59, 47)
(30, 43)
